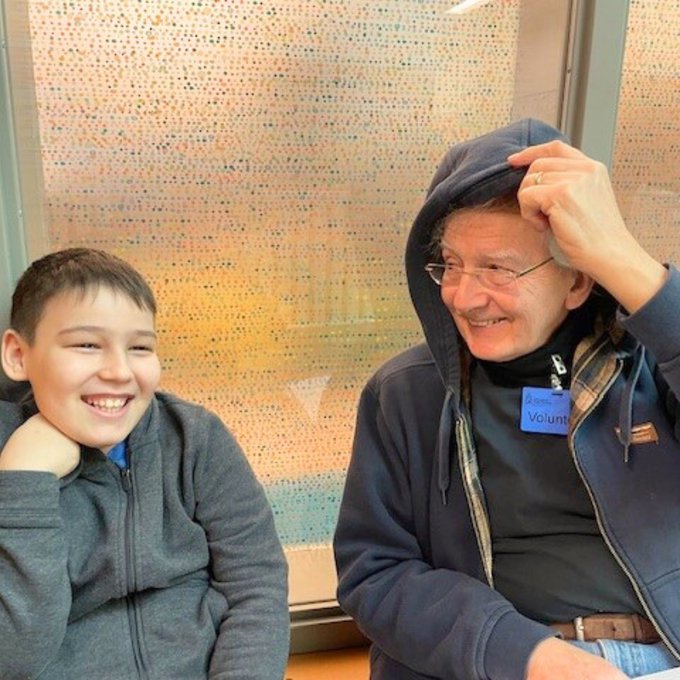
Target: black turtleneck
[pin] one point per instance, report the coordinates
(550, 559)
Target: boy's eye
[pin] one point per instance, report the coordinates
(142, 348)
(86, 345)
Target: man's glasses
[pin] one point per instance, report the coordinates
(448, 274)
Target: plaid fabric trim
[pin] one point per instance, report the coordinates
(596, 363)
(467, 458)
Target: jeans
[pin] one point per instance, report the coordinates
(632, 658)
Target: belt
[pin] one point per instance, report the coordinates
(629, 627)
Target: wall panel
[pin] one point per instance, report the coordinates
(647, 146)
(261, 164)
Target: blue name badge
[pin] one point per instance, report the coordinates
(545, 410)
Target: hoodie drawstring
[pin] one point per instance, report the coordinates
(626, 407)
(443, 452)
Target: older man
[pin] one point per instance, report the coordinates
(511, 508)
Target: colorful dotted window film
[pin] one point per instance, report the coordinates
(647, 151)
(261, 163)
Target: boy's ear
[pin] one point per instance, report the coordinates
(13, 355)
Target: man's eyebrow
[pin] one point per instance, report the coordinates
(100, 329)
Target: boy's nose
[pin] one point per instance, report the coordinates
(116, 367)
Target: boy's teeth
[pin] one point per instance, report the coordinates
(107, 404)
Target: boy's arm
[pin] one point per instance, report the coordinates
(38, 446)
(247, 564)
(35, 592)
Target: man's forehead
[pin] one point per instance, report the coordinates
(504, 231)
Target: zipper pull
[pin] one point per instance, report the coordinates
(558, 370)
(127, 479)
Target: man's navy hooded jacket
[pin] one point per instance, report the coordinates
(412, 545)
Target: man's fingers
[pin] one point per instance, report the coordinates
(554, 149)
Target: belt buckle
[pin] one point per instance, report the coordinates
(579, 629)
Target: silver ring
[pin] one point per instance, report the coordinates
(538, 177)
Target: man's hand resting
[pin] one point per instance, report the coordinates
(553, 658)
(38, 446)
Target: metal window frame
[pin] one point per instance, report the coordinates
(12, 244)
(593, 75)
(574, 79)
(23, 228)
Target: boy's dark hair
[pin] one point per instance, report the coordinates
(74, 269)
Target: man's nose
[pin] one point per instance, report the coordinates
(469, 293)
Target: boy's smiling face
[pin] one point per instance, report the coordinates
(92, 364)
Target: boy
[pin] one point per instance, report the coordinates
(135, 541)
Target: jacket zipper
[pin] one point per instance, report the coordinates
(612, 550)
(133, 617)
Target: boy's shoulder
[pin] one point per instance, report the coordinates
(16, 392)
(12, 415)
(182, 425)
(189, 416)
(170, 402)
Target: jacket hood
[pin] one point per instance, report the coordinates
(470, 174)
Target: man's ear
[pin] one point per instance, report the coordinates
(579, 291)
(14, 355)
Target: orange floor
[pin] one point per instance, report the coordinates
(344, 664)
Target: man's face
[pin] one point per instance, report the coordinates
(92, 365)
(503, 323)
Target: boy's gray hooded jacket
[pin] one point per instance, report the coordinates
(413, 545)
(170, 570)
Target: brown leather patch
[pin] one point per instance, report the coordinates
(645, 433)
